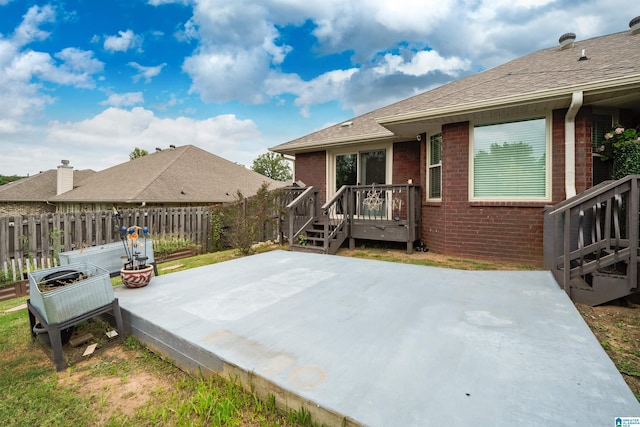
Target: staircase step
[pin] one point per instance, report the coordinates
(307, 248)
(606, 287)
(314, 233)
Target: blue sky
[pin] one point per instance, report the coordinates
(88, 81)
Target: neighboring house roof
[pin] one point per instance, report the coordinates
(185, 174)
(536, 83)
(37, 188)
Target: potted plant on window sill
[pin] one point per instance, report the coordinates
(622, 146)
(135, 272)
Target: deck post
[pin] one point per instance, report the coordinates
(410, 218)
(633, 233)
(350, 213)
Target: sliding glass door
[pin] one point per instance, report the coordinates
(364, 168)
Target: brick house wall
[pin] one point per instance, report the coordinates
(501, 231)
(311, 168)
(406, 162)
(25, 208)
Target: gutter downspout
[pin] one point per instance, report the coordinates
(570, 145)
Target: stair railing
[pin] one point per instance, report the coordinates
(302, 212)
(335, 215)
(594, 231)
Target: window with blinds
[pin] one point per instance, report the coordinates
(434, 167)
(510, 161)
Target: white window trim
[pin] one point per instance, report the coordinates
(331, 163)
(429, 166)
(548, 164)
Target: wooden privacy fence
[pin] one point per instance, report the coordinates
(29, 243)
(38, 237)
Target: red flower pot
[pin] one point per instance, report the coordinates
(137, 278)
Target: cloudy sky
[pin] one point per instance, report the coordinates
(89, 81)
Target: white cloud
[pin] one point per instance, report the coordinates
(124, 41)
(107, 138)
(421, 63)
(146, 72)
(399, 48)
(240, 49)
(77, 68)
(222, 76)
(238, 46)
(29, 30)
(124, 99)
(23, 71)
(324, 88)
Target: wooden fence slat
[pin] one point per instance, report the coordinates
(4, 238)
(45, 236)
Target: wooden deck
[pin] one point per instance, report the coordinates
(374, 212)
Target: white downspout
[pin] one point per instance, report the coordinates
(570, 144)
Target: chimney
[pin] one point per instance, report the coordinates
(65, 178)
(634, 25)
(566, 40)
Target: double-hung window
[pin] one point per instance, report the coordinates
(434, 167)
(510, 161)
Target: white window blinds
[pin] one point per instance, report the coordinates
(509, 160)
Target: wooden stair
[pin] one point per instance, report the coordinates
(319, 238)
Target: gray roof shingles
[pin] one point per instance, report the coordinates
(39, 187)
(185, 174)
(611, 57)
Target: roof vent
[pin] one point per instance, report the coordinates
(634, 25)
(158, 149)
(566, 40)
(173, 147)
(346, 124)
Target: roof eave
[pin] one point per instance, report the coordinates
(544, 96)
(332, 143)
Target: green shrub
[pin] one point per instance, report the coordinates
(249, 218)
(627, 161)
(167, 245)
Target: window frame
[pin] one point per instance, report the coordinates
(331, 163)
(548, 161)
(430, 166)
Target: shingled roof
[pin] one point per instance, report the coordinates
(38, 188)
(185, 174)
(537, 82)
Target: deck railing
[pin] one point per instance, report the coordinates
(301, 212)
(594, 234)
(372, 212)
(335, 215)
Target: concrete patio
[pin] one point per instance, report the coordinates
(384, 344)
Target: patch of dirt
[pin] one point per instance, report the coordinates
(114, 389)
(617, 327)
(427, 258)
